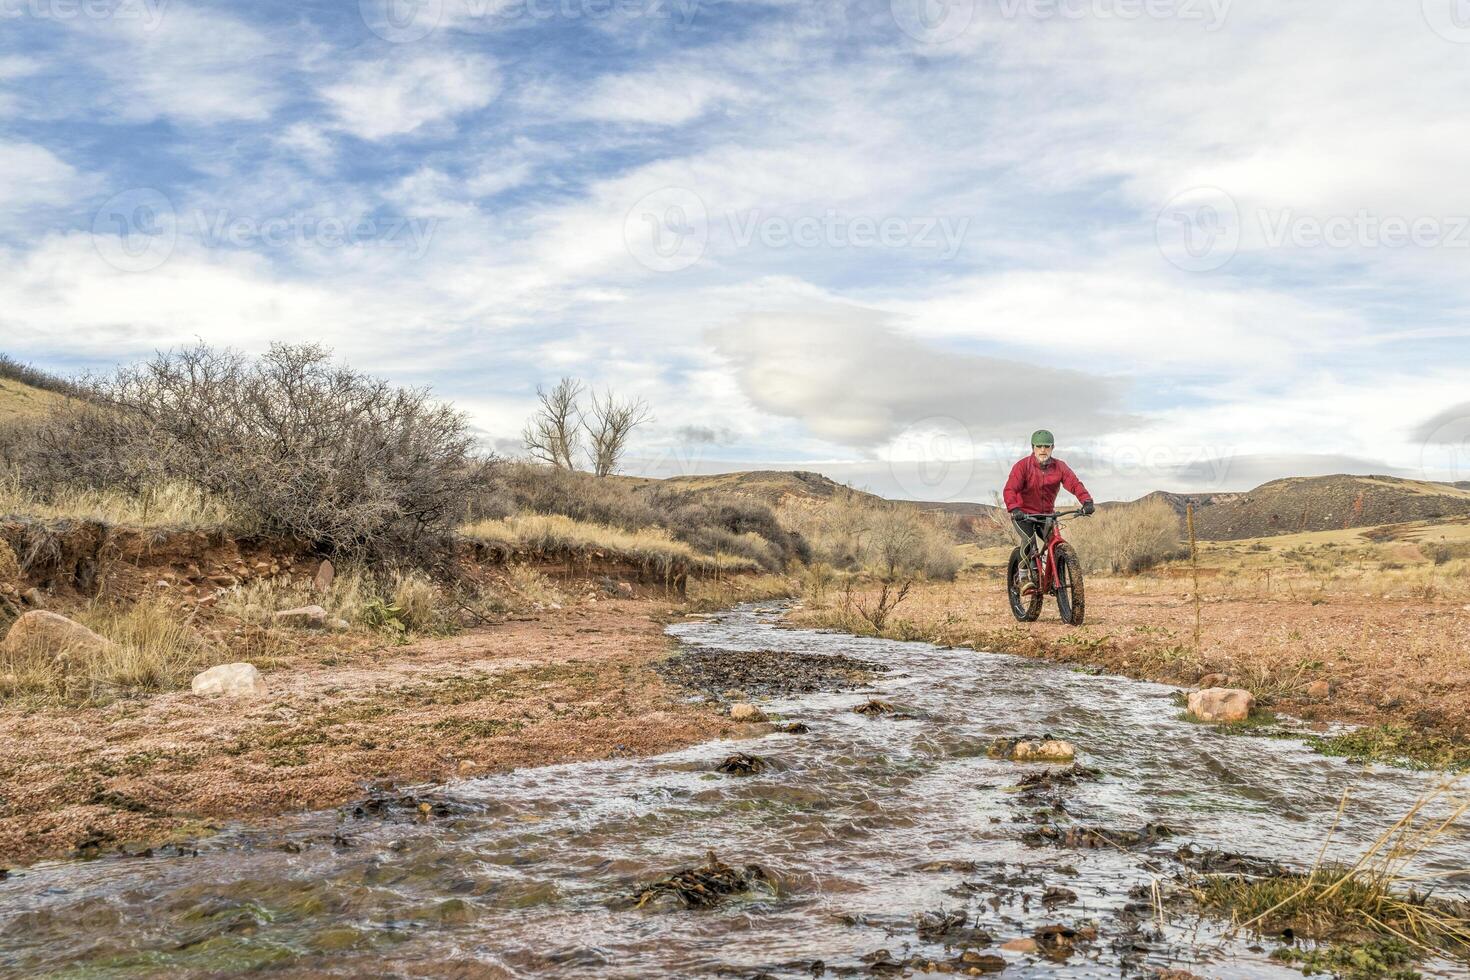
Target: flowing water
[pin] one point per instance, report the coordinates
(864, 822)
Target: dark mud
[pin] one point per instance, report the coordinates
(767, 673)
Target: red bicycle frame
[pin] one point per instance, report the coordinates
(1045, 558)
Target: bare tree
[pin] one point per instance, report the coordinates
(610, 424)
(553, 433)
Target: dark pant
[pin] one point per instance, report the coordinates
(1030, 528)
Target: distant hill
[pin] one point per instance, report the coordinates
(803, 488)
(1319, 503)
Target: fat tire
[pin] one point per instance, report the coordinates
(1071, 602)
(1025, 610)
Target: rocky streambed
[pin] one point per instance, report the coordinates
(831, 842)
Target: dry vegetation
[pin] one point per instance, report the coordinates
(1367, 611)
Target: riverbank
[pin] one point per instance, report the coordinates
(1400, 667)
(554, 685)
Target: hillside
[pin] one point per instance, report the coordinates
(18, 400)
(785, 488)
(1319, 503)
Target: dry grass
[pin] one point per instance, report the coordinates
(722, 592)
(399, 602)
(532, 586)
(1378, 896)
(174, 505)
(346, 598)
(1389, 662)
(152, 649)
(551, 535)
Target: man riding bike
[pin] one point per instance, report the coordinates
(1032, 489)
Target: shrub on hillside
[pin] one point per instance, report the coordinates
(312, 450)
(859, 533)
(1127, 538)
(711, 524)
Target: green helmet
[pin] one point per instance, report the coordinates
(1043, 437)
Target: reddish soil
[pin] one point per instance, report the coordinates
(564, 685)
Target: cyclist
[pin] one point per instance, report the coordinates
(1032, 489)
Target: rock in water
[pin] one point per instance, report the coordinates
(325, 573)
(53, 635)
(231, 679)
(1221, 704)
(1051, 750)
(311, 617)
(746, 712)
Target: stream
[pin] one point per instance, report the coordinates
(863, 822)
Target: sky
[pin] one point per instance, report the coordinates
(1208, 243)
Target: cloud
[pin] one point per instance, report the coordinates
(1448, 427)
(33, 175)
(854, 380)
(193, 66)
(380, 99)
(704, 435)
(665, 97)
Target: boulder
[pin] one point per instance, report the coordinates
(231, 679)
(746, 712)
(1050, 750)
(53, 634)
(1221, 704)
(325, 573)
(1319, 689)
(309, 617)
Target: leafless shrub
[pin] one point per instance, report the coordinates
(885, 539)
(1128, 538)
(314, 451)
(608, 425)
(553, 435)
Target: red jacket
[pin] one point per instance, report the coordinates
(1034, 488)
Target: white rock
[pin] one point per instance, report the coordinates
(1221, 704)
(309, 616)
(231, 679)
(53, 634)
(746, 712)
(1051, 750)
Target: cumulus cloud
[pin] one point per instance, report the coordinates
(379, 99)
(855, 380)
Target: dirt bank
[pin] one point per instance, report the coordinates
(1387, 661)
(556, 686)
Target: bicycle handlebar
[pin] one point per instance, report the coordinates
(1062, 513)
